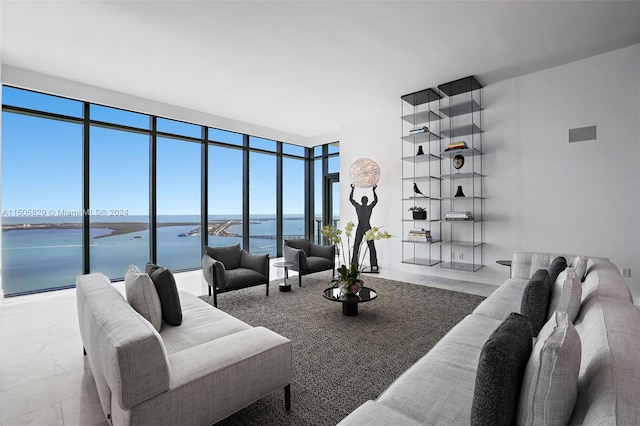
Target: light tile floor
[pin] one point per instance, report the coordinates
(45, 379)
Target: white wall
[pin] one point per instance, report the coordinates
(542, 193)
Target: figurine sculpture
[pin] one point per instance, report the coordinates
(364, 216)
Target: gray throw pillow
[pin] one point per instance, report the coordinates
(143, 296)
(228, 255)
(566, 294)
(550, 383)
(299, 243)
(150, 267)
(501, 367)
(535, 299)
(579, 264)
(558, 265)
(168, 292)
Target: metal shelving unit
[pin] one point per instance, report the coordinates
(431, 119)
(462, 246)
(421, 163)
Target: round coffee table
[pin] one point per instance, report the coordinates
(350, 301)
(284, 286)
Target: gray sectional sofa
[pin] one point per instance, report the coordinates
(197, 373)
(439, 388)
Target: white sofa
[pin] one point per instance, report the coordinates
(439, 388)
(198, 373)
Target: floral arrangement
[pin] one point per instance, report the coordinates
(334, 235)
(416, 209)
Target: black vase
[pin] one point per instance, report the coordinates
(420, 151)
(459, 193)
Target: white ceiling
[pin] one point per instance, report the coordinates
(302, 67)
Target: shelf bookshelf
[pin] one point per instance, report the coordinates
(452, 113)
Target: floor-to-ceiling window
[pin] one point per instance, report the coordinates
(89, 188)
(41, 193)
(178, 203)
(225, 193)
(326, 194)
(118, 200)
(178, 197)
(318, 176)
(262, 198)
(293, 191)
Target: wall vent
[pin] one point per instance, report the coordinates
(580, 134)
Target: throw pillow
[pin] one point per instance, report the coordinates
(535, 299)
(228, 255)
(558, 265)
(300, 244)
(168, 292)
(150, 267)
(550, 383)
(579, 264)
(566, 294)
(501, 366)
(143, 296)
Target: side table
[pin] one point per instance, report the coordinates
(505, 263)
(284, 285)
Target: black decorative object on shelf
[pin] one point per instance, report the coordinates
(420, 151)
(419, 213)
(417, 190)
(459, 193)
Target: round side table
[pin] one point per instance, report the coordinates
(284, 285)
(505, 263)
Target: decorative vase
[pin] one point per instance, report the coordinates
(351, 286)
(459, 193)
(420, 151)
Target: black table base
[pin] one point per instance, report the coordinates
(350, 309)
(284, 287)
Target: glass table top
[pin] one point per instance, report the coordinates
(364, 295)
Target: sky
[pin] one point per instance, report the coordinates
(42, 164)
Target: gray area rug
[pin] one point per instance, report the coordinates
(339, 362)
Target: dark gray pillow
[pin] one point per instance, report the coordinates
(501, 367)
(228, 255)
(150, 267)
(299, 243)
(558, 265)
(168, 292)
(535, 299)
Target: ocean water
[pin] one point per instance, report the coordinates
(39, 259)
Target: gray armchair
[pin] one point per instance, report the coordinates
(231, 268)
(309, 257)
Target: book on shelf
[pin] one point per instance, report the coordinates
(421, 235)
(459, 215)
(456, 145)
(423, 129)
(419, 232)
(420, 240)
